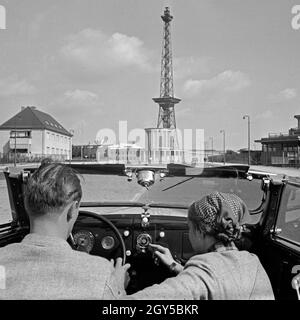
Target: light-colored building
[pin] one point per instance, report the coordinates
(129, 153)
(33, 133)
(163, 146)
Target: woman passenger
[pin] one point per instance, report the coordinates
(218, 270)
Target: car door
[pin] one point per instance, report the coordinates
(11, 230)
(280, 250)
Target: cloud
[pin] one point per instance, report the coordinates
(79, 104)
(225, 82)
(13, 86)
(81, 97)
(96, 52)
(187, 66)
(284, 95)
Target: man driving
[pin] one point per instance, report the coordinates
(43, 265)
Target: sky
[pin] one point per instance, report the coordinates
(93, 63)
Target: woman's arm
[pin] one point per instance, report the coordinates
(165, 256)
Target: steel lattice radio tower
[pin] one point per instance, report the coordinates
(166, 101)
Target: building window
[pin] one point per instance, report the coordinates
(20, 134)
(172, 142)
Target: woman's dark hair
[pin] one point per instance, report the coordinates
(51, 188)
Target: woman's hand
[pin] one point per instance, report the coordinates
(163, 254)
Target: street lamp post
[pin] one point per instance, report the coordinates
(15, 152)
(15, 149)
(70, 145)
(224, 149)
(249, 151)
(212, 148)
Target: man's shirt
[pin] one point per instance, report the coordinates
(42, 267)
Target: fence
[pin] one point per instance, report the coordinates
(242, 158)
(28, 158)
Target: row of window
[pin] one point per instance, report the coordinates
(122, 154)
(278, 147)
(20, 134)
(58, 138)
(166, 153)
(56, 151)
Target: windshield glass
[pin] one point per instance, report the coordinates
(171, 190)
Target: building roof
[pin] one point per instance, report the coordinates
(33, 119)
(279, 139)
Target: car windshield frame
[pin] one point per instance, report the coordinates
(238, 173)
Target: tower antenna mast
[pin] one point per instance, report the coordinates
(166, 101)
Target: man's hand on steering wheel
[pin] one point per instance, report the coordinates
(121, 272)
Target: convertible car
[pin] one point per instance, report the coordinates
(125, 208)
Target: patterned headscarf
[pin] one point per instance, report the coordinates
(219, 214)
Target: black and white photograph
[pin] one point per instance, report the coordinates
(149, 153)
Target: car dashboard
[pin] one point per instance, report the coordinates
(97, 238)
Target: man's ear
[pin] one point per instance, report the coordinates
(77, 204)
(70, 213)
(72, 210)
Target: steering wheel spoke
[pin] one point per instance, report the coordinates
(78, 241)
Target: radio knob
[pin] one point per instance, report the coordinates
(128, 253)
(126, 233)
(162, 234)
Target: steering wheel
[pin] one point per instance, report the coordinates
(110, 224)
